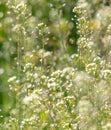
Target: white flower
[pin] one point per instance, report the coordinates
(84, 106)
(53, 84)
(35, 75)
(107, 126)
(40, 25)
(12, 79)
(30, 98)
(106, 73)
(1, 71)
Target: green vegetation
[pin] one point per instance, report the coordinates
(55, 65)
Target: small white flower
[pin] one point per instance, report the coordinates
(1, 71)
(12, 79)
(40, 25)
(53, 84)
(106, 73)
(107, 126)
(30, 98)
(35, 75)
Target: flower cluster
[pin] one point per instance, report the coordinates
(60, 65)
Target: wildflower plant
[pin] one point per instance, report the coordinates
(54, 87)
